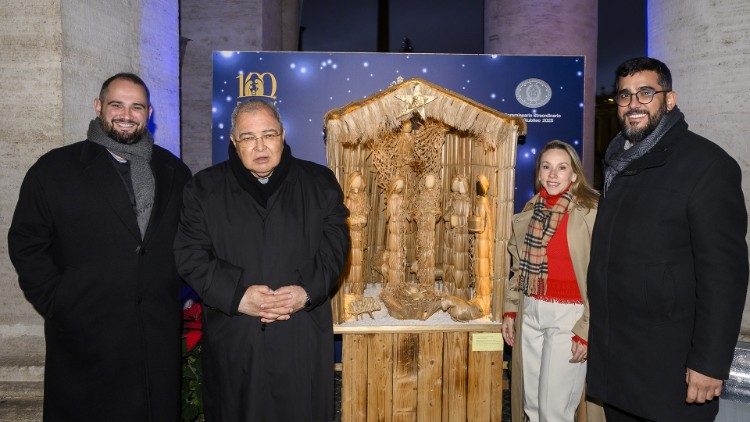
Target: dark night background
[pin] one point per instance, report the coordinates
(451, 26)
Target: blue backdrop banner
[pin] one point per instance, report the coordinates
(547, 91)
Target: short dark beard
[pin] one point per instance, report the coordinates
(635, 135)
(130, 139)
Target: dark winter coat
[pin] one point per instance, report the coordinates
(281, 371)
(110, 300)
(667, 277)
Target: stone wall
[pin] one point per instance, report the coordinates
(212, 25)
(31, 47)
(54, 55)
(159, 67)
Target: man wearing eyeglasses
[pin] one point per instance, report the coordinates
(669, 265)
(262, 239)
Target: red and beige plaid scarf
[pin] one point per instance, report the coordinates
(533, 265)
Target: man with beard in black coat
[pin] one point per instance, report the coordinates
(669, 266)
(262, 239)
(91, 240)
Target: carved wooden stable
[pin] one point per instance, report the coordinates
(425, 373)
(394, 140)
(386, 150)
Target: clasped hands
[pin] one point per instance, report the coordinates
(272, 305)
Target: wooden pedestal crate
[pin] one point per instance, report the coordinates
(421, 373)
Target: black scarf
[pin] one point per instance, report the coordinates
(617, 158)
(250, 184)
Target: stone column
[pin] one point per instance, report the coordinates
(211, 25)
(548, 27)
(31, 49)
(54, 55)
(707, 48)
(159, 30)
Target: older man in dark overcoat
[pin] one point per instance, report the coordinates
(91, 240)
(669, 266)
(262, 239)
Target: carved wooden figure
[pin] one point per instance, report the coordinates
(457, 238)
(460, 309)
(395, 254)
(363, 305)
(426, 212)
(359, 209)
(480, 224)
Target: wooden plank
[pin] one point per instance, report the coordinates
(354, 378)
(405, 377)
(455, 351)
(429, 376)
(430, 391)
(412, 327)
(496, 387)
(479, 385)
(380, 377)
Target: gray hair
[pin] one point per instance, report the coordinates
(254, 105)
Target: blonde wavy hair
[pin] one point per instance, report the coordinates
(583, 193)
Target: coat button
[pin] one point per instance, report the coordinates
(139, 300)
(140, 250)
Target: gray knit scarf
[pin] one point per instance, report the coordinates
(617, 158)
(139, 157)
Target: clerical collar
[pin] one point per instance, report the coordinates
(264, 180)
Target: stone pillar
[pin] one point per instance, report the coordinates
(707, 48)
(31, 49)
(211, 25)
(159, 66)
(548, 27)
(55, 54)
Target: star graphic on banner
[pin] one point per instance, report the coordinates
(415, 101)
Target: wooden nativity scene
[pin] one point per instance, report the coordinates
(428, 178)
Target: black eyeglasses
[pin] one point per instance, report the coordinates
(644, 96)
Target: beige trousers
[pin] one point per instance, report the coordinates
(552, 385)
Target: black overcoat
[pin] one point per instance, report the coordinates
(667, 277)
(110, 300)
(282, 371)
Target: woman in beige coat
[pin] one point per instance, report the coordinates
(545, 313)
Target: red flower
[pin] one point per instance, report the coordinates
(192, 338)
(193, 312)
(192, 325)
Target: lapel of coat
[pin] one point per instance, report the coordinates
(658, 155)
(521, 223)
(579, 245)
(164, 183)
(290, 180)
(654, 158)
(99, 170)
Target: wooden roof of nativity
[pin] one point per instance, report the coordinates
(366, 119)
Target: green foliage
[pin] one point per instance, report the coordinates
(192, 375)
